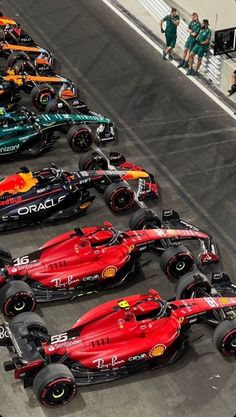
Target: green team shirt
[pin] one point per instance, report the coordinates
(204, 35)
(195, 27)
(171, 28)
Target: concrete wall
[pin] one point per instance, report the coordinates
(220, 13)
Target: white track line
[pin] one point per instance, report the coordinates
(157, 47)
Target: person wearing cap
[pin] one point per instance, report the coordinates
(200, 48)
(172, 21)
(194, 28)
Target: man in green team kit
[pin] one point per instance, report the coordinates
(194, 28)
(172, 21)
(200, 48)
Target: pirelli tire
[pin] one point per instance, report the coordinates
(16, 56)
(176, 261)
(194, 283)
(32, 321)
(224, 337)
(58, 106)
(41, 95)
(54, 385)
(92, 160)
(16, 297)
(144, 219)
(119, 196)
(80, 138)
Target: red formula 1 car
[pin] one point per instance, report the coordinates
(90, 259)
(114, 340)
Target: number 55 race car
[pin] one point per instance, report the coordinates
(116, 339)
(91, 259)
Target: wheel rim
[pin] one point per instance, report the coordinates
(122, 201)
(19, 304)
(229, 343)
(59, 392)
(82, 140)
(179, 265)
(44, 98)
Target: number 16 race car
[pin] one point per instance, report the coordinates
(116, 339)
(91, 259)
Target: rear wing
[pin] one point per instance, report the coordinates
(147, 188)
(208, 250)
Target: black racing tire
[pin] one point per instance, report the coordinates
(32, 321)
(58, 106)
(54, 385)
(16, 297)
(41, 95)
(16, 56)
(92, 160)
(5, 258)
(176, 261)
(80, 138)
(144, 219)
(192, 284)
(224, 337)
(119, 196)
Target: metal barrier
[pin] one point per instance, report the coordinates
(212, 65)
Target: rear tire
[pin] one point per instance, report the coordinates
(80, 138)
(41, 95)
(224, 337)
(16, 297)
(176, 261)
(54, 385)
(58, 106)
(32, 321)
(119, 196)
(92, 160)
(191, 283)
(144, 218)
(16, 56)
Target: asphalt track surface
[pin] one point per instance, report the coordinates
(172, 128)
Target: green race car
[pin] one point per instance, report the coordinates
(25, 131)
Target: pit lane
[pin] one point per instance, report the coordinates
(170, 127)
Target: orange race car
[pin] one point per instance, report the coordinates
(43, 88)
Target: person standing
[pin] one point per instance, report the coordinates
(194, 28)
(172, 21)
(200, 48)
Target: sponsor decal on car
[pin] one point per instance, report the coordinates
(11, 200)
(137, 357)
(109, 272)
(157, 350)
(9, 148)
(34, 208)
(123, 304)
(114, 363)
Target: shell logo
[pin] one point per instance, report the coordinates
(157, 350)
(109, 272)
(224, 300)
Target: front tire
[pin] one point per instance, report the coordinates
(16, 297)
(32, 321)
(5, 258)
(192, 284)
(80, 138)
(224, 337)
(144, 219)
(54, 385)
(176, 261)
(92, 160)
(41, 95)
(119, 196)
